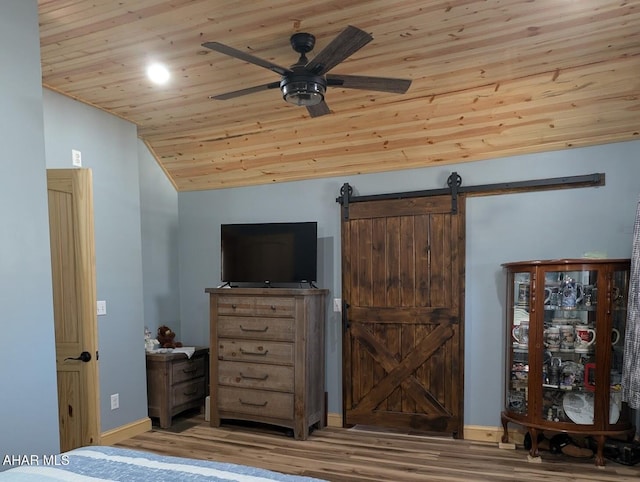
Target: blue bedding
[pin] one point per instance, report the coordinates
(101, 464)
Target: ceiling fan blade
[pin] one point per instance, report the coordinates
(381, 84)
(350, 40)
(225, 49)
(319, 109)
(249, 90)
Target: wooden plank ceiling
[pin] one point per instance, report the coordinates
(490, 78)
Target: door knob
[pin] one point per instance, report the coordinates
(85, 356)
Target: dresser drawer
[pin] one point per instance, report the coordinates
(255, 351)
(188, 391)
(187, 369)
(252, 306)
(254, 375)
(256, 402)
(256, 328)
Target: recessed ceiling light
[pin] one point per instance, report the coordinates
(158, 73)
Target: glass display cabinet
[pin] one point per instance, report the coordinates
(565, 325)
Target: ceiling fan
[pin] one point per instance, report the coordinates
(306, 82)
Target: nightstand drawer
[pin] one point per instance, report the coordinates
(188, 369)
(255, 375)
(256, 328)
(256, 402)
(261, 305)
(188, 391)
(255, 351)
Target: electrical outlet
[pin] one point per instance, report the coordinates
(76, 158)
(115, 401)
(337, 305)
(102, 307)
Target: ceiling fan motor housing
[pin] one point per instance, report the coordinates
(300, 87)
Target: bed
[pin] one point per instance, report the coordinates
(100, 464)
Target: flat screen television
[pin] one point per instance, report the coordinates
(269, 252)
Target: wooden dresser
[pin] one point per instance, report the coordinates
(267, 356)
(176, 383)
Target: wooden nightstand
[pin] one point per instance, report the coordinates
(176, 383)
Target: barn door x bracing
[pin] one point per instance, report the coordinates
(403, 286)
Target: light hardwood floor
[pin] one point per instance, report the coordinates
(346, 455)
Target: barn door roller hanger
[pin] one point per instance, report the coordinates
(455, 187)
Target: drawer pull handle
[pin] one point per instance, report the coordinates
(189, 370)
(242, 402)
(188, 394)
(249, 377)
(256, 353)
(233, 306)
(258, 330)
(273, 307)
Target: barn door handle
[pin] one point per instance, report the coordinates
(345, 315)
(85, 356)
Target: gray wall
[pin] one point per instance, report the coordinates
(133, 200)
(543, 225)
(109, 147)
(159, 222)
(28, 399)
(552, 224)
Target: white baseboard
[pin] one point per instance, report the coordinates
(476, 433)
(124, 432)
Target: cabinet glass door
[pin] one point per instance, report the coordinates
(618, 308)
(518, 372)
(569, 339)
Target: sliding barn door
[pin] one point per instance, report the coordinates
(403, 286)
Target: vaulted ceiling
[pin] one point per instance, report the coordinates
(490, 78)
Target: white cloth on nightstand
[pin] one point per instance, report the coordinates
(187, 350)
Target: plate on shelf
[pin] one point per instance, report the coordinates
(579, 408)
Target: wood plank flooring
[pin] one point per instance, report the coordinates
(348, 455)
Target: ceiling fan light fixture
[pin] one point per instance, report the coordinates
(303, 92)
